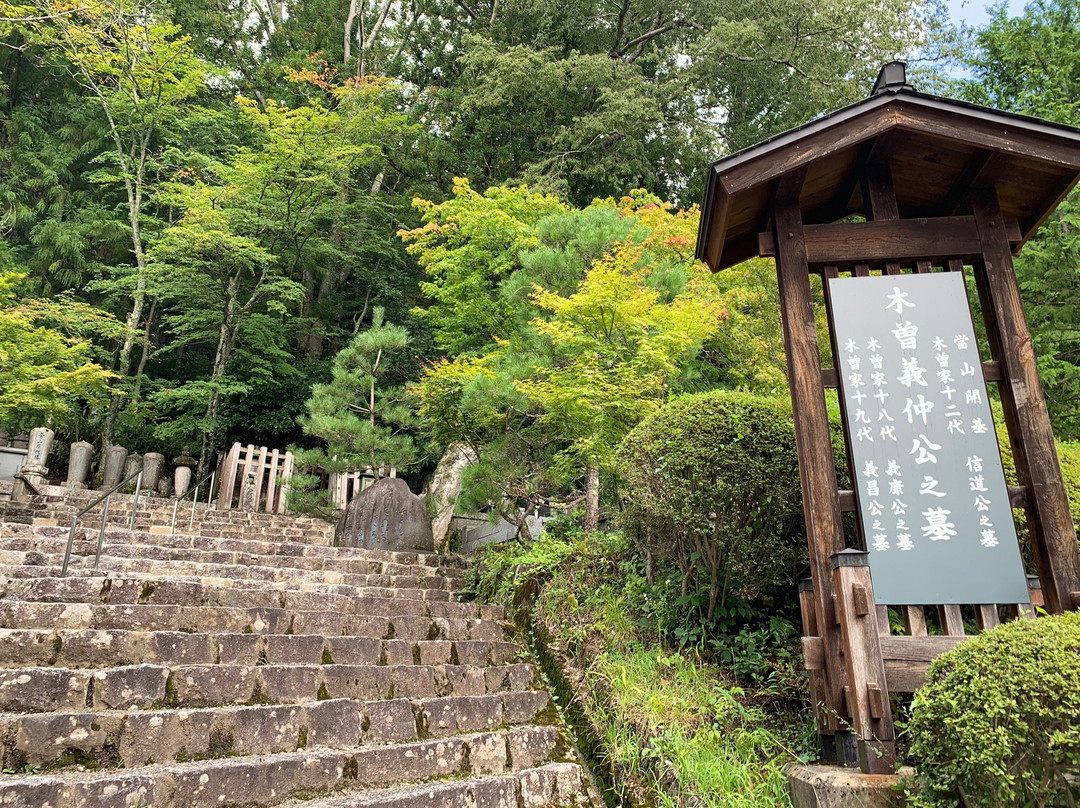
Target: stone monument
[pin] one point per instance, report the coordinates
(37, 454)
(34, 470)
(386, 516)
(153, 464)
(182, 475)
(444, 491)
(82, 453)
(112, 467)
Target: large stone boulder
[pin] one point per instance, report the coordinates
(386, 516)
(444, 490)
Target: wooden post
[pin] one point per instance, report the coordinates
(821, 506)
(866, 691)
(286, 471)
(1053, 536)
(260, 473)
(824, 719)
(228, 478)
(271, 483)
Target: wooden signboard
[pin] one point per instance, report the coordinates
(933, 505)
(894, 203)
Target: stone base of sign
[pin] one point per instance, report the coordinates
(835, 787)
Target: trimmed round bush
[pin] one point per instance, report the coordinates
(997, 723)
(711, 485)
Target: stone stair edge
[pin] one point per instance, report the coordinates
(539, 786)
(99, 648)
(32, 690)
(270, 578)
(396, 622)
(131, 739)
(90, 535)
(188, 591)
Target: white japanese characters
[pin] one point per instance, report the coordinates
(927, 469)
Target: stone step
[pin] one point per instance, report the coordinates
(124, 544)
(65, 503)
(12, 567)
(175, 560)
(556, 784)
(243, 594)
(90, 648)
(313, 778)
(366, 561)
(381, 619)
(155, 687)
(204, 524)
(106, 739)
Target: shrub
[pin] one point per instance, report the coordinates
(998, 722)
(1069, 458)
(711, 484)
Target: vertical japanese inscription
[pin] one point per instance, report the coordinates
(929, 483)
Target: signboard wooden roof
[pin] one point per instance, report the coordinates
(937, 149)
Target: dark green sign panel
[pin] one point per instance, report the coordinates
(931, 491)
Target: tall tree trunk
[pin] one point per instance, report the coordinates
(592, 497)
(138, 301)
(226, 339)
(139, 371)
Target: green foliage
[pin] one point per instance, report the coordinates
(121, 138)
(711, 485)
(614, 348)
(726, 739)
(467, 246)
(44, 373)
(1068, 458)
(1031, 64)
(997, 723)
(361, 417)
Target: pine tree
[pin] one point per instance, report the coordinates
(361, 416)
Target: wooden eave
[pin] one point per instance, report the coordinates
(936, 149)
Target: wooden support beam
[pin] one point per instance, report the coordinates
(914, 621)
(889, 241)
(907, 658)
(958, 194)
(866, 678)
(1053, 536)
(814, 660)
(952, 620)
(878, 194)
(824, 524)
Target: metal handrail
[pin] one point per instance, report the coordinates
(107, 496)
(195, 500)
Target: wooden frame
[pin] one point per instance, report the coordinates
(854, 659)
(972, 185)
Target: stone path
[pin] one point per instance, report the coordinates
(248, 663)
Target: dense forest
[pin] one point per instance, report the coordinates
(376, 228)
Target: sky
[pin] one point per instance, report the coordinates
(973, 12)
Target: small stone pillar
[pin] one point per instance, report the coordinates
(79, 459)
(112, 466)
(133, 464)
(153, 463)
(33, 469)
(182, 476)
(164, 487)
(37, 454)
(248, 502)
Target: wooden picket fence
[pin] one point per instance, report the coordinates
(251, 478)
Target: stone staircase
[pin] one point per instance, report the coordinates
(248, 663)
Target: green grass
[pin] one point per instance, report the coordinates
(654, 709)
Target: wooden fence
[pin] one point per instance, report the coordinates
(251, 479)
